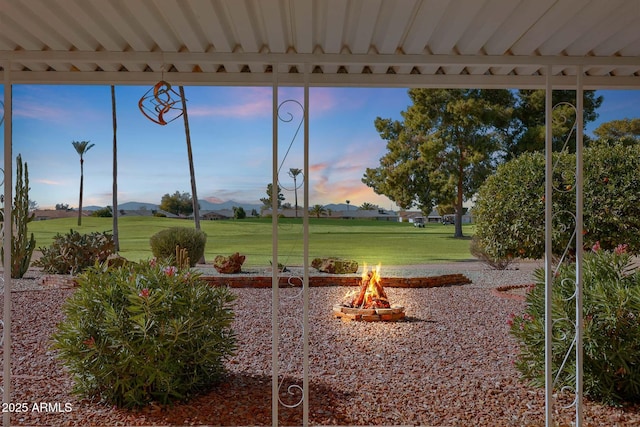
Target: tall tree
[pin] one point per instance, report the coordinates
(625, 132)
(267, 201)
(528, 128)
(81, 148)
(444, 148)
(116, 238)
(293, 173)
(177, 203)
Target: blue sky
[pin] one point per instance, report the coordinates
(231, 133)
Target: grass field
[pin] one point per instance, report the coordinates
(363, 241)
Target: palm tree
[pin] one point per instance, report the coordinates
(366, 206)
(116, 239)
(192, 172)
(348, 201)
(81, 148)
(293, 173)
(318, 210)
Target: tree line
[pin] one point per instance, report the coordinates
(450, 141)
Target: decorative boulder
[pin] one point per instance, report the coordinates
(229, 264)
(335, 265)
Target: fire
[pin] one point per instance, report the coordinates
(371, 293)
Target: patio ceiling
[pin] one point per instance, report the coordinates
(408, 43)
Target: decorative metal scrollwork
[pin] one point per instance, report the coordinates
(290, 392)
(1, 113)
(159, 104)
(565, 232)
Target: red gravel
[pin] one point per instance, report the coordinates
(449, 364)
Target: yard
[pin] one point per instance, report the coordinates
(448, 364)
(391, 243)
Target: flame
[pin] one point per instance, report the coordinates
(371, 294)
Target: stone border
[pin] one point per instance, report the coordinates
(503, 292)
(260, 282)
(319, 281)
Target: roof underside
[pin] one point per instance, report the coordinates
(390, 43)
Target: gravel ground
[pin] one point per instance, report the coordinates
(448, 364)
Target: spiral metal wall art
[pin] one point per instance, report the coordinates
(161, 104)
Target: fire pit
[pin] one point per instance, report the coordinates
(370, 302)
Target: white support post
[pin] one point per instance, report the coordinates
(548, 249)
(305, 282)
(8, 231)
(579, 245)
(275, 297)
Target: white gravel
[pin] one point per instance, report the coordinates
(448, 364)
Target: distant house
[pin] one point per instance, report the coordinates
(215, 215)
(145, 212)
(44, 214)
(375, 214)
(409, 216)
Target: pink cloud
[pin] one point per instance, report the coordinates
(256, 102)
(47, 182)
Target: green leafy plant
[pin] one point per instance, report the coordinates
(21, 246)
(145, 333)
(73, 252)
(164, 243)
(611, 307)
(509, 212)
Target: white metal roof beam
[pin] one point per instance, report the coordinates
(315, 59)
(337, 80)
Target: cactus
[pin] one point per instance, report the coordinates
(21, 246)
(182, 258)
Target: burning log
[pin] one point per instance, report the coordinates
(371, 293)
(370, 302)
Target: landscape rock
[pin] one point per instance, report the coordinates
(335, 265)
(229, 264)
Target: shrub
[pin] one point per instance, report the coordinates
(145, 333)
(509, 212)
(611, 339)
(103, 212)
(73, 252)
(164, 243)
(494, 262)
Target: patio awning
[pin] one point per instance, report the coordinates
(390, 43)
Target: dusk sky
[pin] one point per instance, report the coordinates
(231, 135)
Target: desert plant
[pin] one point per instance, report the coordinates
(73, 252)
(147, 332)
(611, 307)
(164, 242)
(21, 246)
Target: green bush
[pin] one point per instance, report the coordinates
(145, 333)
(611, 307)
(509, 211)
(73, 252)
(163, 243)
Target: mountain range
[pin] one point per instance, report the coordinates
(209, 206)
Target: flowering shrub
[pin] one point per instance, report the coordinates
(611, 338)
(73, 252)
(147, 332)
(509, 211)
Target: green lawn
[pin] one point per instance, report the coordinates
(363, 241)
